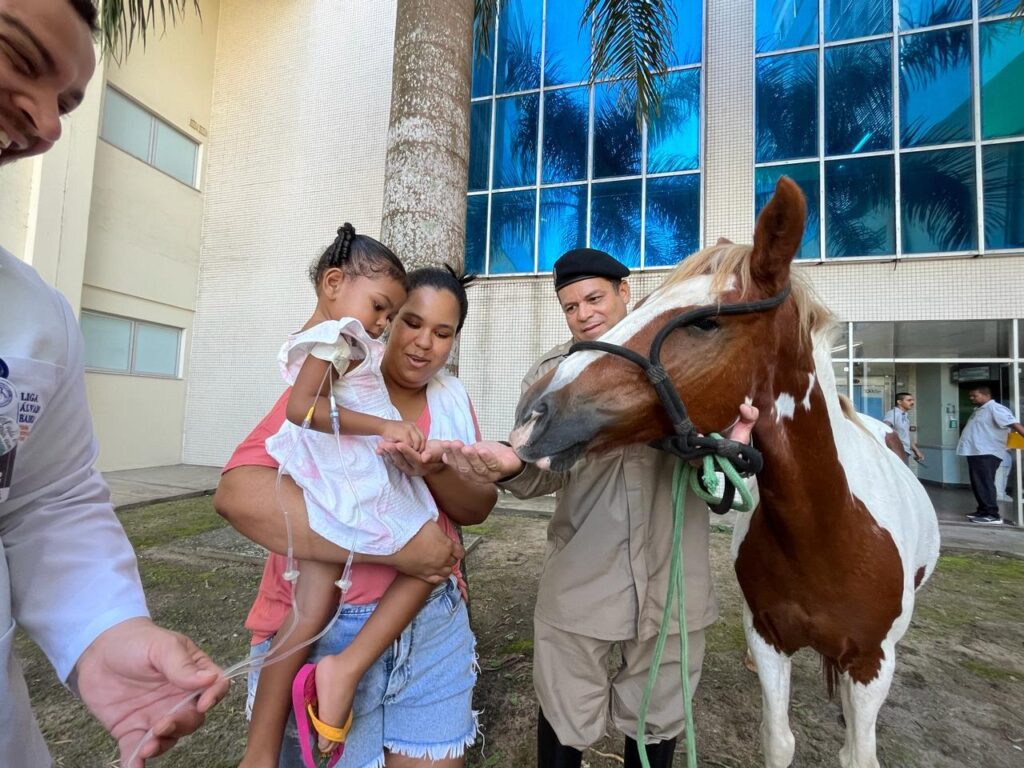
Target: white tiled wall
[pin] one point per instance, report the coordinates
(301, 99)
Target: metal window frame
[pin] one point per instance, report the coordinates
(133, 326)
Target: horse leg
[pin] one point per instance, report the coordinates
(773, 669)
(861, 704)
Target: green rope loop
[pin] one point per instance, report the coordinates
(685, 476)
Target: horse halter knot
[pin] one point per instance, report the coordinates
(687, 443)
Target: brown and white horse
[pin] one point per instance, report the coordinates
(843, 533)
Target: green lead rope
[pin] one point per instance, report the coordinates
(683, 476)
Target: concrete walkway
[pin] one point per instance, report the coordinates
(135, 487)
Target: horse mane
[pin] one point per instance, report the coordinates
(729, 260)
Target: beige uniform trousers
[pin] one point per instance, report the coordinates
(571, 678)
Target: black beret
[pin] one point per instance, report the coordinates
(583, 263)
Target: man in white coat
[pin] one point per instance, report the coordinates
(68, 575)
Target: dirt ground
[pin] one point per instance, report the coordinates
(956, 701)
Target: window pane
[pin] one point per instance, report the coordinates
(806, 177)
(935, 87)
(565, 134)
(927, 13)
(953, 338)
(175, 154)
(786, 24)
(519, 46)
(687, 32)
(615, 220)
(479, 144)
(859, 218)
(476, 233)
(515, 141)
(616, 138)
(512, 219)
(107, 341)
(566, 44)
(483, 68)
(156, 349)
(126, 124)
(673, 137)
(874, 340)
(858, 98)
(996, 7)
(787, 107)
(1003, 173)
(847, 19)
(563, 223)
(938, 201)
(673, 219)
(1002, 72)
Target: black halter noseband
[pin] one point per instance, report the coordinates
(687, 443)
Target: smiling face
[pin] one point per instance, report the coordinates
(46, 60)
(421, 337)
(593, 306)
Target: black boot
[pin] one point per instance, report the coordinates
(550, 752)
(659, 755)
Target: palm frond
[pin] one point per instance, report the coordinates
(122, 22)
(1019, 11)
(632, 42)
(484, 14)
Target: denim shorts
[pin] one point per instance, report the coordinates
(417, 698)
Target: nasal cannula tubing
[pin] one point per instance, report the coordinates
(291, 573)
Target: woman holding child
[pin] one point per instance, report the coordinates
(400, 658)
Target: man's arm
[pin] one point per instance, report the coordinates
(247, 498)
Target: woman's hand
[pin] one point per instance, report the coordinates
(410, 461)
(402, 432)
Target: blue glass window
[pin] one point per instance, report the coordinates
(786, 24)
(673, 219)
(479, 144)
(935, 87)
(847, 19)
(938, 201)
(927, 13)
(1003, 174)
(565, 134)
(476, 233)
(515, 141)
(787, 107)
(563, 223)
(483, 68)
(687, 32)
(673, 137)
(615, 220)
(806, 177)
(858, 98)
(512, 217)
(616, 138)
(566, 44)
(519, 45)
(1002, 72)
(859, 219)
(996, 7)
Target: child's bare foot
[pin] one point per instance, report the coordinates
(335, 690)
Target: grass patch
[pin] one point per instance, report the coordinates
(523, 646)
(724, 636)
(170, 521)
(988, 672)
(982, 567)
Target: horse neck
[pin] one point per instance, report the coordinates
(803, 486)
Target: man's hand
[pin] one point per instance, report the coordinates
(744, 426)
(429, 555)
(134, 674)
(483, 462)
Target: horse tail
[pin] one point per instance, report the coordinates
(830, 672)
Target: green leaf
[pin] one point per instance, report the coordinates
(122, 22)
(632, 42)
(484, 14)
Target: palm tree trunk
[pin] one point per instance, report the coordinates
(425, 173)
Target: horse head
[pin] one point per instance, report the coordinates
(595, 401)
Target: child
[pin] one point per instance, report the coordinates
(337, 411)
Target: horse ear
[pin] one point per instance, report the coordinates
(724, 241)
(777, 236)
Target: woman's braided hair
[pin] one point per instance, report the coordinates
(444, 279)
(357, 255)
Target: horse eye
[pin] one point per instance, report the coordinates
(707, 324)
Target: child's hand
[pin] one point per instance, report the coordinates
(403, 432)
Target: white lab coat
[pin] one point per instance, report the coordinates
(67, 572)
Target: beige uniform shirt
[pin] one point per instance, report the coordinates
(606, 571)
